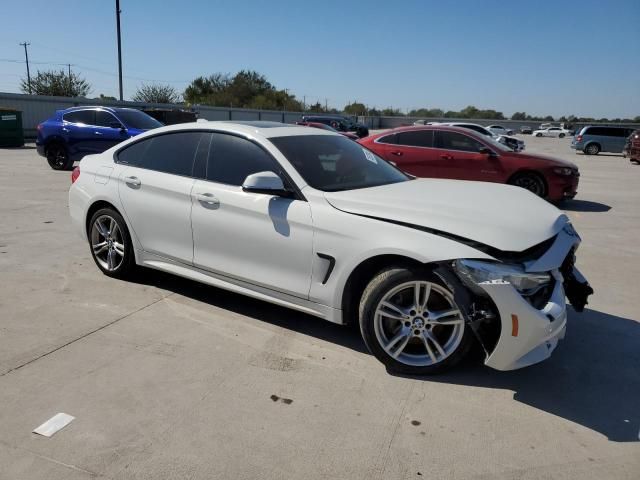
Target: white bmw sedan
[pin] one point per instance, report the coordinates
(313, 221)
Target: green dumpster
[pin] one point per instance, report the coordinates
(11, 133)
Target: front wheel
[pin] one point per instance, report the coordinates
(530, 181)
(411, 323)
(561, 135)
(538, 134)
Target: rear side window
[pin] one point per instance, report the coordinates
(605, 131)
(389, 139)
(85, 117)
(170, 153)
(232, 159)
(457, 141)
(419, 138)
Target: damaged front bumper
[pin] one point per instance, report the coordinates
(530, 328)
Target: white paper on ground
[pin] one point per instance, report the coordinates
(54, 424)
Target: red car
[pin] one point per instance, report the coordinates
(453, 152)
(350, 135)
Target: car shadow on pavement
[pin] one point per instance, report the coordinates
(592, 378)
(584, 206)
(257, 309)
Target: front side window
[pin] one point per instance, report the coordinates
(105, 119)
(170, 153)
(331, 163)
(457, 141)
(83, 117)
(232, 159)
(388, 139)
(417, 138)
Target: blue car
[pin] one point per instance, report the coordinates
(75, 132)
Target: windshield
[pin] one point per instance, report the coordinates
(137, 119)
(332, 163)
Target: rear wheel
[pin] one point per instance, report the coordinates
(561, 135)
(538, 134)
(411, 323)
(592, 149)
(111, 243)
(530, 181)
(58, 157)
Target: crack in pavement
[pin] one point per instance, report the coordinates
(84, 336)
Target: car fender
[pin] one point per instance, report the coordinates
(335, 257)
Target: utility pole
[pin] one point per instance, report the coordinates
(26, 57)
(304, 103)
(326, 103)
(70, 86)
(119, 47)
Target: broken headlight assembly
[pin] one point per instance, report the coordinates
(474, 272)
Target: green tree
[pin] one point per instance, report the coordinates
(519, 116)
(548, 118)
(105, 97)
(392, 112)
(156, 94)
(355, 108)
(56, 83)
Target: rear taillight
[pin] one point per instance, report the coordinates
(578, 138)
(39, 127)
(75, 174)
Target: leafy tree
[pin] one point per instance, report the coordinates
(156, 94)
(519, 116)
(246, 89)
(427, 112)
(636, 119)
(392, 112)
(59, 84)
(355, 108)
(548, 118)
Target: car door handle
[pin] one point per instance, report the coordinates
(396, 153)
(98, 133)
(446, 157)
(207, 198)
(133, 181)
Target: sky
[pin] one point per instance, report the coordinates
(546, 57)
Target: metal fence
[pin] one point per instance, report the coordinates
(37, 108)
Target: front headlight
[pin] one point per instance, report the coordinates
(564, 171)
(475, 271)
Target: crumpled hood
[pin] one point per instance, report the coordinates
(502, 216)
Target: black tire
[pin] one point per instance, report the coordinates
(592, 149)
(538, 134)
(561, 135)
(530, 181)
(124, 268)
(58, 157)
(383, 284)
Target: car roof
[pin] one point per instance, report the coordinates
(247, 128)
(439, 126)
(99, 107)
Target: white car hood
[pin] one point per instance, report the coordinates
(502, 216)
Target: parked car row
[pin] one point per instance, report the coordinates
(449, 151)
(426, 267)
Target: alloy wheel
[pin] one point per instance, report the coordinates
(531, 183)
(57, 157)
(418, 323)
(107, 242)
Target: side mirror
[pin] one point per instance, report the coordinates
(487, 151)
(117, 125)
(268, 183)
